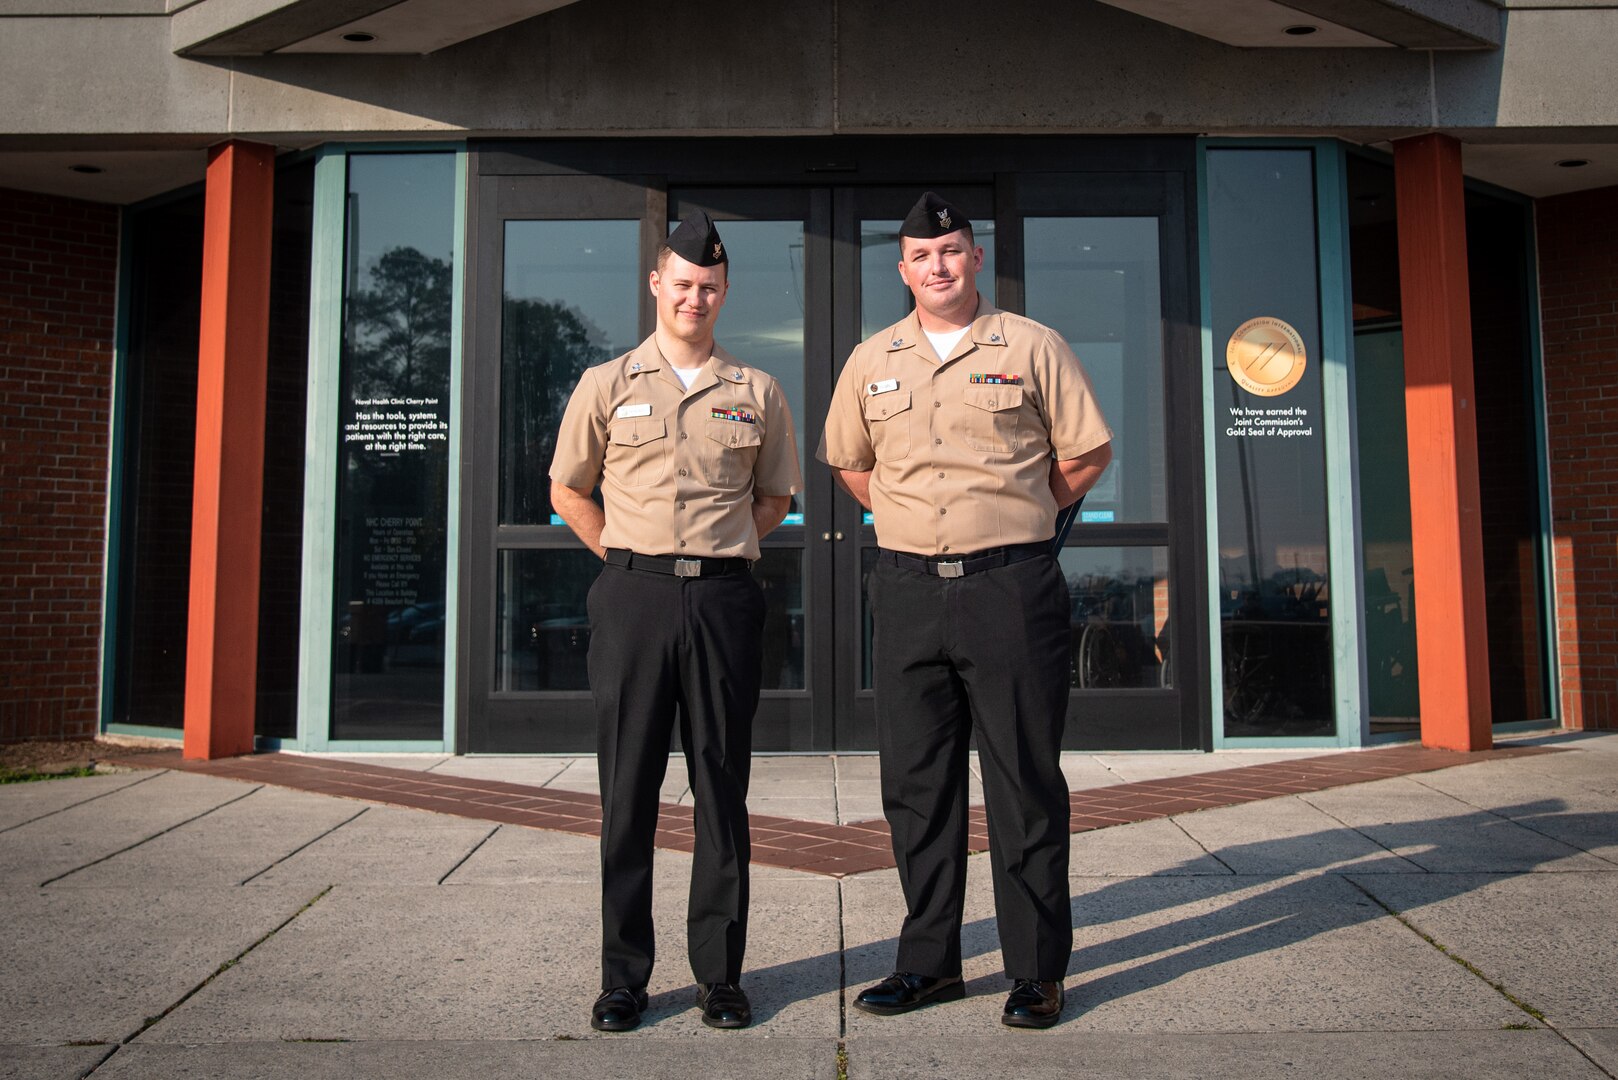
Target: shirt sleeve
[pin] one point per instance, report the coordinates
(1073, 414)
(775, 471)
(845, 443)
(581, 441)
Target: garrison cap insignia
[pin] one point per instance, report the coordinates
(932, 217)
(697, 241)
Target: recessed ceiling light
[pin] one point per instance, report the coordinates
(359, 37)
(87, 170)
(1573, 163)
(1303, 30)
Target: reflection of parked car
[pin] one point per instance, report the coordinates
(416, 624)
(560, 637)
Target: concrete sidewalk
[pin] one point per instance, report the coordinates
(1452, 923)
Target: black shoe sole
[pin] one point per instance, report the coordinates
(604, 1025)
(726, 1025)
(1030, 1021)
(955, 991)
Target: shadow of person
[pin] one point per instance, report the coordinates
(1270, 895)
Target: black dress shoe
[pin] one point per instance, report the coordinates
(1033, 1004)
(618, 1009)
(723, 1005)
(902, 991)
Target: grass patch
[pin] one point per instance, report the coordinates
(28, 776)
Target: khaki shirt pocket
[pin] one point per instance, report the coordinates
(990, 422)
(637, 451)
(889, 418)
(732, 451)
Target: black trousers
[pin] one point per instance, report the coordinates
(987, 652)
(663, 648)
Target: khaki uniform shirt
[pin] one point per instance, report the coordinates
(960, 451)
(678, 468)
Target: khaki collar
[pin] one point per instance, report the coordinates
(721, 367)
(987, 330)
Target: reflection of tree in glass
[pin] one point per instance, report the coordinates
(545, 347)
(401, 327)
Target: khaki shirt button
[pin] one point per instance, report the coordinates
(946, 547)
(683, 435)
(682, 472)
(942, 511)
(991, 405)
(682, 543)
(938, 404)
(682, 506)
(941, 476)
(938, 442)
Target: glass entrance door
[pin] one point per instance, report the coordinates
(560, 284)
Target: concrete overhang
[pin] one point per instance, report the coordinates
(1331, 24)
(261, 27)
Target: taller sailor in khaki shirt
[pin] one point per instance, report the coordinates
(696, 458)
(963, 429)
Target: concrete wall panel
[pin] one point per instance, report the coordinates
(1086, 66)
(1555, 71)
(601, 66)
(70, 76)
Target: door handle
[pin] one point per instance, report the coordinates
(839, 535)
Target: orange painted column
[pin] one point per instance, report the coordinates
(1452, 645)
(221, 671)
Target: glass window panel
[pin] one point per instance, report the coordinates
(1096, 282)
(572, 300)
(884, 299)
(393, 480)
(1119, 599)
(780, 574)
(542, 623)
(542, 627)
(1274, 588)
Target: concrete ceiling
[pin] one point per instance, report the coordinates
(261, 27)
(1330, 24)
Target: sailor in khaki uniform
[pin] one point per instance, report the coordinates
(963, 429)
(696, 459)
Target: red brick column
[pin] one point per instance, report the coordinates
(1452, 639)
(1578, 282)
(227, 497)
(58, 292)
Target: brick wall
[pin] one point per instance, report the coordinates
(58, 274)
(1578, 258)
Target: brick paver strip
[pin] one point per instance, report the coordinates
(815, 846)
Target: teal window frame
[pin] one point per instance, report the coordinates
(1351, 721)
(320, 468)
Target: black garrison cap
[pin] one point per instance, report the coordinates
(932, 217)
(697, 241)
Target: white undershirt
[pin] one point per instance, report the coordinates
(944, 344)
(688, 375)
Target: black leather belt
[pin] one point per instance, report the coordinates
(675, 565)
(961, 565)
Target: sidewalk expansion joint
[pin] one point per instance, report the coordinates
(152, 1021)
(84, 802)
(818, 847)
(471, 852)
(1476, 972)
(149, 839)
(307, 844)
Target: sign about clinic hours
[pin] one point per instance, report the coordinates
(1266, 358)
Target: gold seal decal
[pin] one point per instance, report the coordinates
(1266, 356)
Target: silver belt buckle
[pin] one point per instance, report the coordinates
(953, 568)
(687, 567)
